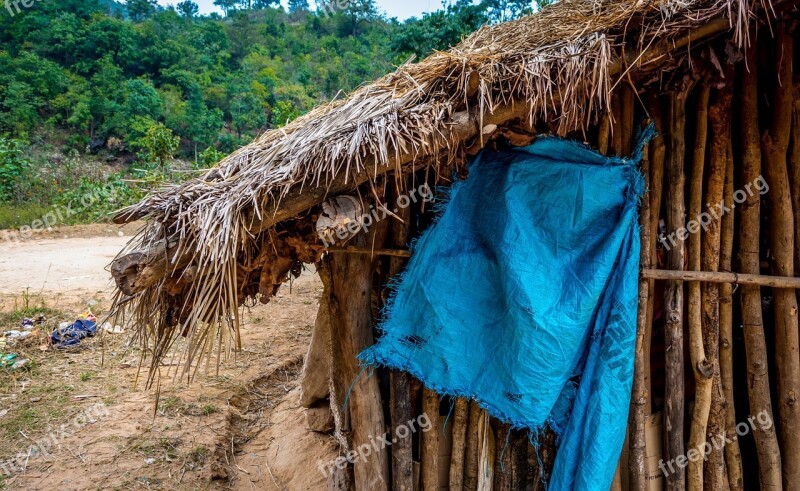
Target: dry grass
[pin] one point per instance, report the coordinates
(557, 61)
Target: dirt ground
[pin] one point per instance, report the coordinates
(81, 419)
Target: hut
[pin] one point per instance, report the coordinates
(714, 400)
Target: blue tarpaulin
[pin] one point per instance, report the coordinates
(72, 335)
(523, 296)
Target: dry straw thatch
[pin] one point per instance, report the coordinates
(557, 64)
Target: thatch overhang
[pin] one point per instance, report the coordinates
(212, 242)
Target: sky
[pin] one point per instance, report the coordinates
(402, 9)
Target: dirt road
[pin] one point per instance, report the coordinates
(240, 428)
(58, 265)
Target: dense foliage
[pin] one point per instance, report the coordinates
(134, 81)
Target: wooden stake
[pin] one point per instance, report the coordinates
(639, 394)
(702, 369)
(774, 144)
(518, 446)
(401, 409)
(460, 415)
(429, 455)
(720, 119)
(502, 462)
(758, 384)
(673, 295)
(616, 125)
(603, 133)
(626, 121)
(657, 158)
(471, 454)
(733, 456)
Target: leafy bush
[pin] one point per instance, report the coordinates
(209, 158)
(14, 168)
(158, 144)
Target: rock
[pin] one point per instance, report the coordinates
(320, 419)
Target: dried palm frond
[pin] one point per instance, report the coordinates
(556, 61)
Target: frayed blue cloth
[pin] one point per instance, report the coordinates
(73, 334)
(523, 296)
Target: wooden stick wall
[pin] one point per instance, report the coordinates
(729, 351)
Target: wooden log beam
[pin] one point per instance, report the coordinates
(723, 277)
(314, 379)
(352, 331)
(371, 252)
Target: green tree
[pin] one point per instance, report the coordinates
(227, 6)
(263, 4)
(139, 10)
(188, 8)
(358, 12)
(298, 6)
(14, 168)
(158, 144)
(247, 113)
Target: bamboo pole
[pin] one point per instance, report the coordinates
(775, 142)
(673, 295)
(719, 119)
(700, 366)
(733, 456)
(767, 449)
(639, 394)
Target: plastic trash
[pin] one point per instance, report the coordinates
(7, 360)
(107, 327)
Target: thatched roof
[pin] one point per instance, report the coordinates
(559, 65)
